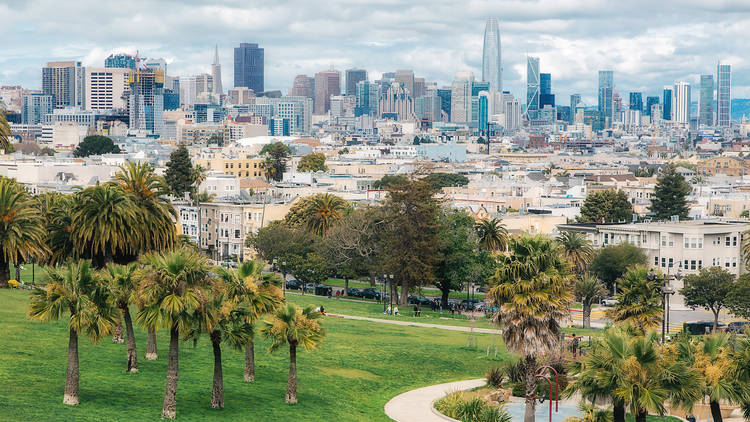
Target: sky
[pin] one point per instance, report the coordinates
(649, 44)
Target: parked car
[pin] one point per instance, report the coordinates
(702, 327)
(370, 293)
(738, 326)
(609, 301)
(309, 287)
(323, 290)
(354, 292)
(469, 304)
(293, 284)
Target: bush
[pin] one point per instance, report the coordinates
(495, 376)
(515, 370)
(456, 405)
(13, 284)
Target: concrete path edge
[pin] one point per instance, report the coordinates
(416, 405)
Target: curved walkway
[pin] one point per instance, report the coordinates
(419, 324)
(416, 405)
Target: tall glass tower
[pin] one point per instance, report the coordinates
(606, 96)
(706, 101)
(532, 87)
(723, 94)
(248, 66)
(667, 107)
(492, 71)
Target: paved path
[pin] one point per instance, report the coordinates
(419, 324)
(416, 405)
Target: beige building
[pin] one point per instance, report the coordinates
(729, 166)
(106, 88)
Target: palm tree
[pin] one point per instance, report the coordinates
(199, 176)
(21, 228)
(588, 289)
(226, 321)
(322, 211)
(172, 289)
(105, 224)
(639, 302)
(295, 327)
(74, 288)
(492, 235)
(123, 287)
(577, 250)
(149, 192)
(57, 210)
(532, 294)
(4, 132)
(258, 294)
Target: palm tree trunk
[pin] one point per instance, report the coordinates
(641, 415)
(151, 345)
(291, 385)
(716, 411)
(71, 375)
(217, 393)
(250, 361)
(4, 274)
(618, 408)
(530, 389)
(586, 315)
(132, 353)
(169, 409)
(117, 335)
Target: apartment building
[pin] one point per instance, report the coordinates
(729, 166)
(238, 166)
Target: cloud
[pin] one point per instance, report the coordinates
(648, 44)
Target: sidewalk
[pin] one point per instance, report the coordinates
(416, 405)
(420, 324)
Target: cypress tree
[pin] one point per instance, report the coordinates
(179, 173)
(670, 195)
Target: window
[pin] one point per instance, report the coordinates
(644, 238)
(734, 262)
(726, 262)
(671, 240)
(693, 243)
(692, 264)
(236, 234)
(663, 262)
(687, 243)
(700, 243)
(606, 238)
(726, 242)
(663, 240)
(656, 260)
(734, 241)
(671, 262)
(686, 264)
(700, 264)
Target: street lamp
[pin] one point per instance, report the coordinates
(666, 291)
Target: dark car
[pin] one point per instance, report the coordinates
(738, 326)
(469, 304)
(323, 290)
(370, 293)
(697, 328)
(293, 284)
(354, 292)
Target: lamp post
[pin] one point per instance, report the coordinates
(382, 296)
(390, 276)
(666, 291)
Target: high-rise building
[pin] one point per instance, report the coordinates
(706, 101)
(483, 112)
(327, 83)
(667, 103)
(461, 97)
(240, 95)
(218, 89)
(107, 88)
(575, 99)
(532, 87)
(636, 101)
(445, 101)
(396, 103)
(650, 101)
(67, 82)
(492, 70)
(681, 102)
(354, 76)
(156, 64)
(546, 98)
(303, 86)
(512, 111)
(420, 85)
(248, 66)
(723, 94)
(146, 100)
(606, 97)
(188, 90)
(123, 61)
(406, 79)
(35, 106)
(367, 96)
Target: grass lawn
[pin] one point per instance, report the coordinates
(359, 367)
(426, 291)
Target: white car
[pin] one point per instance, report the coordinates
(609, 302)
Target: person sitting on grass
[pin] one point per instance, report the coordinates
(395, 310)
(388, 311)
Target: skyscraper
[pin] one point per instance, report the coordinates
(681, 102)
(146, 100)
(546, 98)
(327, 83)
(216, 73)
(367, 95)
(650, 102)
(667, 103)
(636, 101)
(35, 107)
(445, 95)
(575, 99)
(723, 94)
(353, 76)
(406, 78)
(461, 97)
(66, 81)
(492, 70)
(248, 66)
(606, 97)
(125, 61)
(532, 87)
(107, 88)
(706, 101)
(303, 86)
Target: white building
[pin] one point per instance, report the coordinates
(681, 102)
(461, 97)
(106, 88)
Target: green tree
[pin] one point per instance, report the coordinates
(709, 289)
(611, 262)
(607, 206)
(411, 238)
(322, 210)
(281, 242)
(738, 300)
(174, 283)
(492, 235)
(295, 327)
(74, 288)
(457, 252)
(122, 282)
(577, 250)
(22, 232)
(313, 162)
(276, 157)
(179, 174)
(745, 214)
(639, 303)
(670, 195)
(5, 134)
(57, 211)
(312, 268)
(389, 181)
(588, 289)
(48, 151)
(95, 145)
(443, 180)
(531, 290)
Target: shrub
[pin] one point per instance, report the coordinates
(13, 284)
(495, 376)
(456, 405)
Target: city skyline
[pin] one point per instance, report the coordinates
(648, 46)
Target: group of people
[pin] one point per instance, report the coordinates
(390, 311)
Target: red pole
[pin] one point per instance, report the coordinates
(549, 383)
(557, 385)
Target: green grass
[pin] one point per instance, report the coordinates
(30, 272)
(426, 291)
(358, 368)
